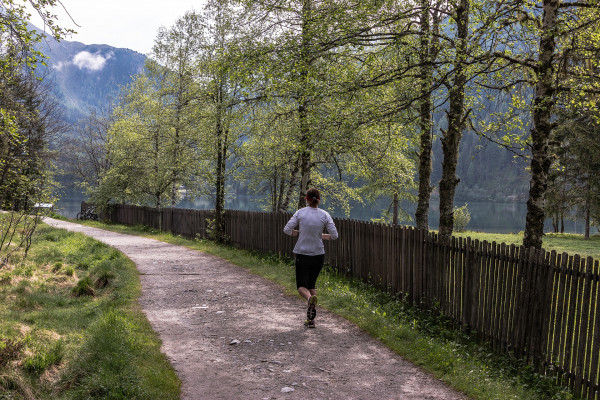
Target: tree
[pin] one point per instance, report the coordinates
(85, 155)
(555, 57)
(27, 126)
(221, 110)
(429, 25)
(305, 68)
(147, 154)
(577, 164)
(175, 52)
(17, 40)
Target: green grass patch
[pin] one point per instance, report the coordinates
(561, 242)
(425, 338)
(71, 327)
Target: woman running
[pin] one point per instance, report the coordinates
(309, 249)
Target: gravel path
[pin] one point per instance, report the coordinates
(232, 335)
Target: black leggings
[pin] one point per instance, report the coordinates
(308, 269)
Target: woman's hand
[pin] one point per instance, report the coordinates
(295, 232)
(325, 236)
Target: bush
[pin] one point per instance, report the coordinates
(9, 350)
(57, 266)
(103, 273)
(83, 288)
(462, 217)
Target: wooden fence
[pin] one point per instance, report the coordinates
(541, 306)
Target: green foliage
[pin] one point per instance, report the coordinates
(462, 217)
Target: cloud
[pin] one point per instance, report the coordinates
(93, 62)
(59, 66)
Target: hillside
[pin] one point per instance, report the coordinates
(87, 76)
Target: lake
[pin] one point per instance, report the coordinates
(485, 216)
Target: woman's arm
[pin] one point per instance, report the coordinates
(333, 233)
(292, 223)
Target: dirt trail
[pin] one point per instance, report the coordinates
(232, 335)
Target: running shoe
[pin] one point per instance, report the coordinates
(309, 323)
(311, 311)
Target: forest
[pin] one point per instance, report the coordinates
(348, 96)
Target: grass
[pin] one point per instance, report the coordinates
(71, 326)
(425, 338)
(561, 242)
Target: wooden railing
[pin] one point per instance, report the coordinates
(540, 306)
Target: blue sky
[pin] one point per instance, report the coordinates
(121, 23)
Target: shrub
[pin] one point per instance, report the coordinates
(57, 266)
(9, 350)
(5, 279)
(83, 288)
(104, 272)
(462, 217)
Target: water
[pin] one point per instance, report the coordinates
(485, 216)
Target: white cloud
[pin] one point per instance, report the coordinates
(59, 66)
(93, 62)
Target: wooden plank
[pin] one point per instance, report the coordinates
(594, 374)
(485, 258)
(521, 302)
(561, 310)
(574, 264)
(540, 308)
(531, 303)
(584, 326)
(421, 265)
(496, 283)
(549, 317)
(475, 261)
(467, 286)
(504, 301)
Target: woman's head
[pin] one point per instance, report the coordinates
(313, 197)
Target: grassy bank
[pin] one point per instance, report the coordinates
(71, 327)
(424, 338)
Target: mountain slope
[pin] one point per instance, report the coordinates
(87, 76)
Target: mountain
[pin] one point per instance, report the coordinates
(86, 76)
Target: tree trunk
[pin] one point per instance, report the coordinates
(305, 163)
(425, 123)
(220, 186)
(542, 126)
(288, 196)
(395, 216)
(305, 138)
(562, 222)
(456, 122)
(588, 201)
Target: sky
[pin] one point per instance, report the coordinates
(132, 24)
